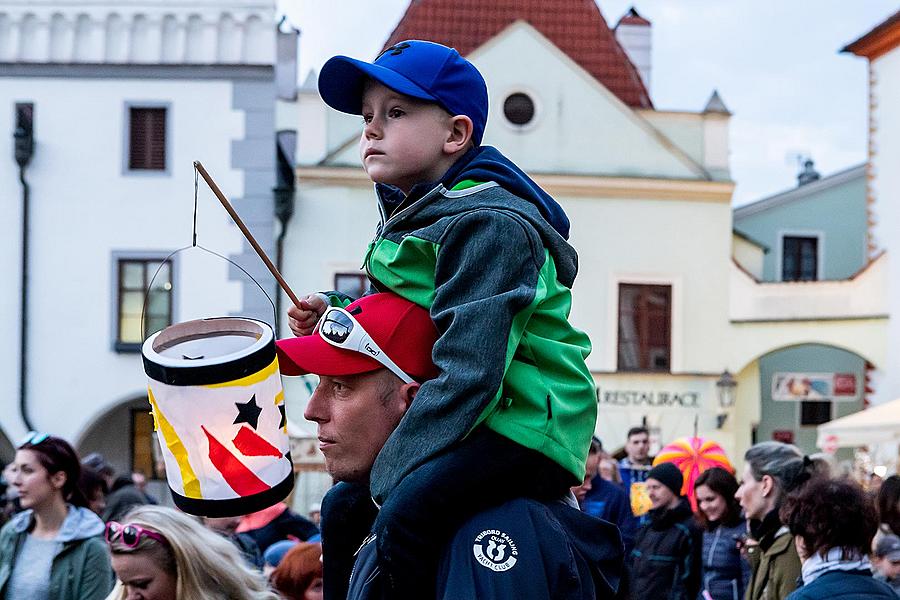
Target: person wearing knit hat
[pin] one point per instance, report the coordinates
(666, 559)
(670, 476)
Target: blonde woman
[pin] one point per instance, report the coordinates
(159, 553)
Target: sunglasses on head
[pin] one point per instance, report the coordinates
(340, 329)
(34, 438)
(130, 534)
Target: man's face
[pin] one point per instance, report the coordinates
(660, 495)
(638, 447)
(355, 415)
(580, 491)
(402, 142)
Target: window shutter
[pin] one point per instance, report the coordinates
(147, 142)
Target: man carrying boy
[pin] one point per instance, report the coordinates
(467, 235)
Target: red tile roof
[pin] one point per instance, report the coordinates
(881, 40)
(575, 26)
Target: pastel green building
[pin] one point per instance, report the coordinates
(814, 232)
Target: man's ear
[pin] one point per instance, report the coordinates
(460, 134)
(408, 392)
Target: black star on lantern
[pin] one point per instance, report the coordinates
(283, 422)
(248, 412)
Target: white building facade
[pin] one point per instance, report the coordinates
(124, 97)
(881, 48)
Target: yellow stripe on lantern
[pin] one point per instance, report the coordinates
(251, 379)
(176, 447)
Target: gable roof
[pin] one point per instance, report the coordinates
(883, 38)
(800, 192)
(574, 26)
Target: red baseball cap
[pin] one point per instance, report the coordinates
(403, 330)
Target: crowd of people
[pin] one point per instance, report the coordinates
(75, 531)
(789, 528)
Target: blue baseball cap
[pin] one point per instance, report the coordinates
(423, 70)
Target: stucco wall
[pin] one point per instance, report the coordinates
(84, 208)
(885, 188)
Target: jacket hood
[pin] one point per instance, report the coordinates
(486, 163)
(663, 518)
(598, 541)
(80, 524)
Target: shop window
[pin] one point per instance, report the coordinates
(352, 284)
(645, 323)
(134, 276)
(800, 258)
(146, 139)
(815, 412)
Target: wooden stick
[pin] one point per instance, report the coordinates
(237, 220)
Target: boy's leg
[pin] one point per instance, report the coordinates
(421, 515)
(347, 516)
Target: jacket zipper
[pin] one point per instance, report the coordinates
(382, 227)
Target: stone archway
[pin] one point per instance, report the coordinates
(804, 385)
(124, 436)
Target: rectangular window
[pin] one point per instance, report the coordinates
(645, 324)
(800, 258)
(352, 284)
(147, 139)
(815, 412)
(134, 276)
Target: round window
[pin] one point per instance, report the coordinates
(518, 108)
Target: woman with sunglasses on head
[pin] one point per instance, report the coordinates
(724, 570)
(159, 553)
(54, 548)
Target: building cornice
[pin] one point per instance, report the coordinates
(139, 71)
(578, 186)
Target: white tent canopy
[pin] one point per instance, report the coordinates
(875, 425)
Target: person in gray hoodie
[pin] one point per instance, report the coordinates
(53, 549)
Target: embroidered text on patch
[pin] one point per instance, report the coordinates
(495, 550)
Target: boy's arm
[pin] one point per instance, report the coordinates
(485, 278)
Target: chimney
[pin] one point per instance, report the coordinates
(808, 174)
(716, 144)
(633, 34)
(286, 60)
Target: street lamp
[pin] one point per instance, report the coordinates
(725, 389)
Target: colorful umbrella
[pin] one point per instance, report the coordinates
(693, 456)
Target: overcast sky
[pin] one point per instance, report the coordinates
(776, 65)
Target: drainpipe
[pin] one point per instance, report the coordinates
(284, 210)
(284, 196)
(24, 150)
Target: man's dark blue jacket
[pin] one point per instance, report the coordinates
(521, 550)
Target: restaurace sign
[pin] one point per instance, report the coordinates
(648, 398)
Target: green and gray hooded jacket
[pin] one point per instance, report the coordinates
(496, 276)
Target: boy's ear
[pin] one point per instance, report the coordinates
(460, 134)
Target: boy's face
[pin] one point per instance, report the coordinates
(403, 140)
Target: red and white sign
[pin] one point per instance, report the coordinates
(830, 445)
